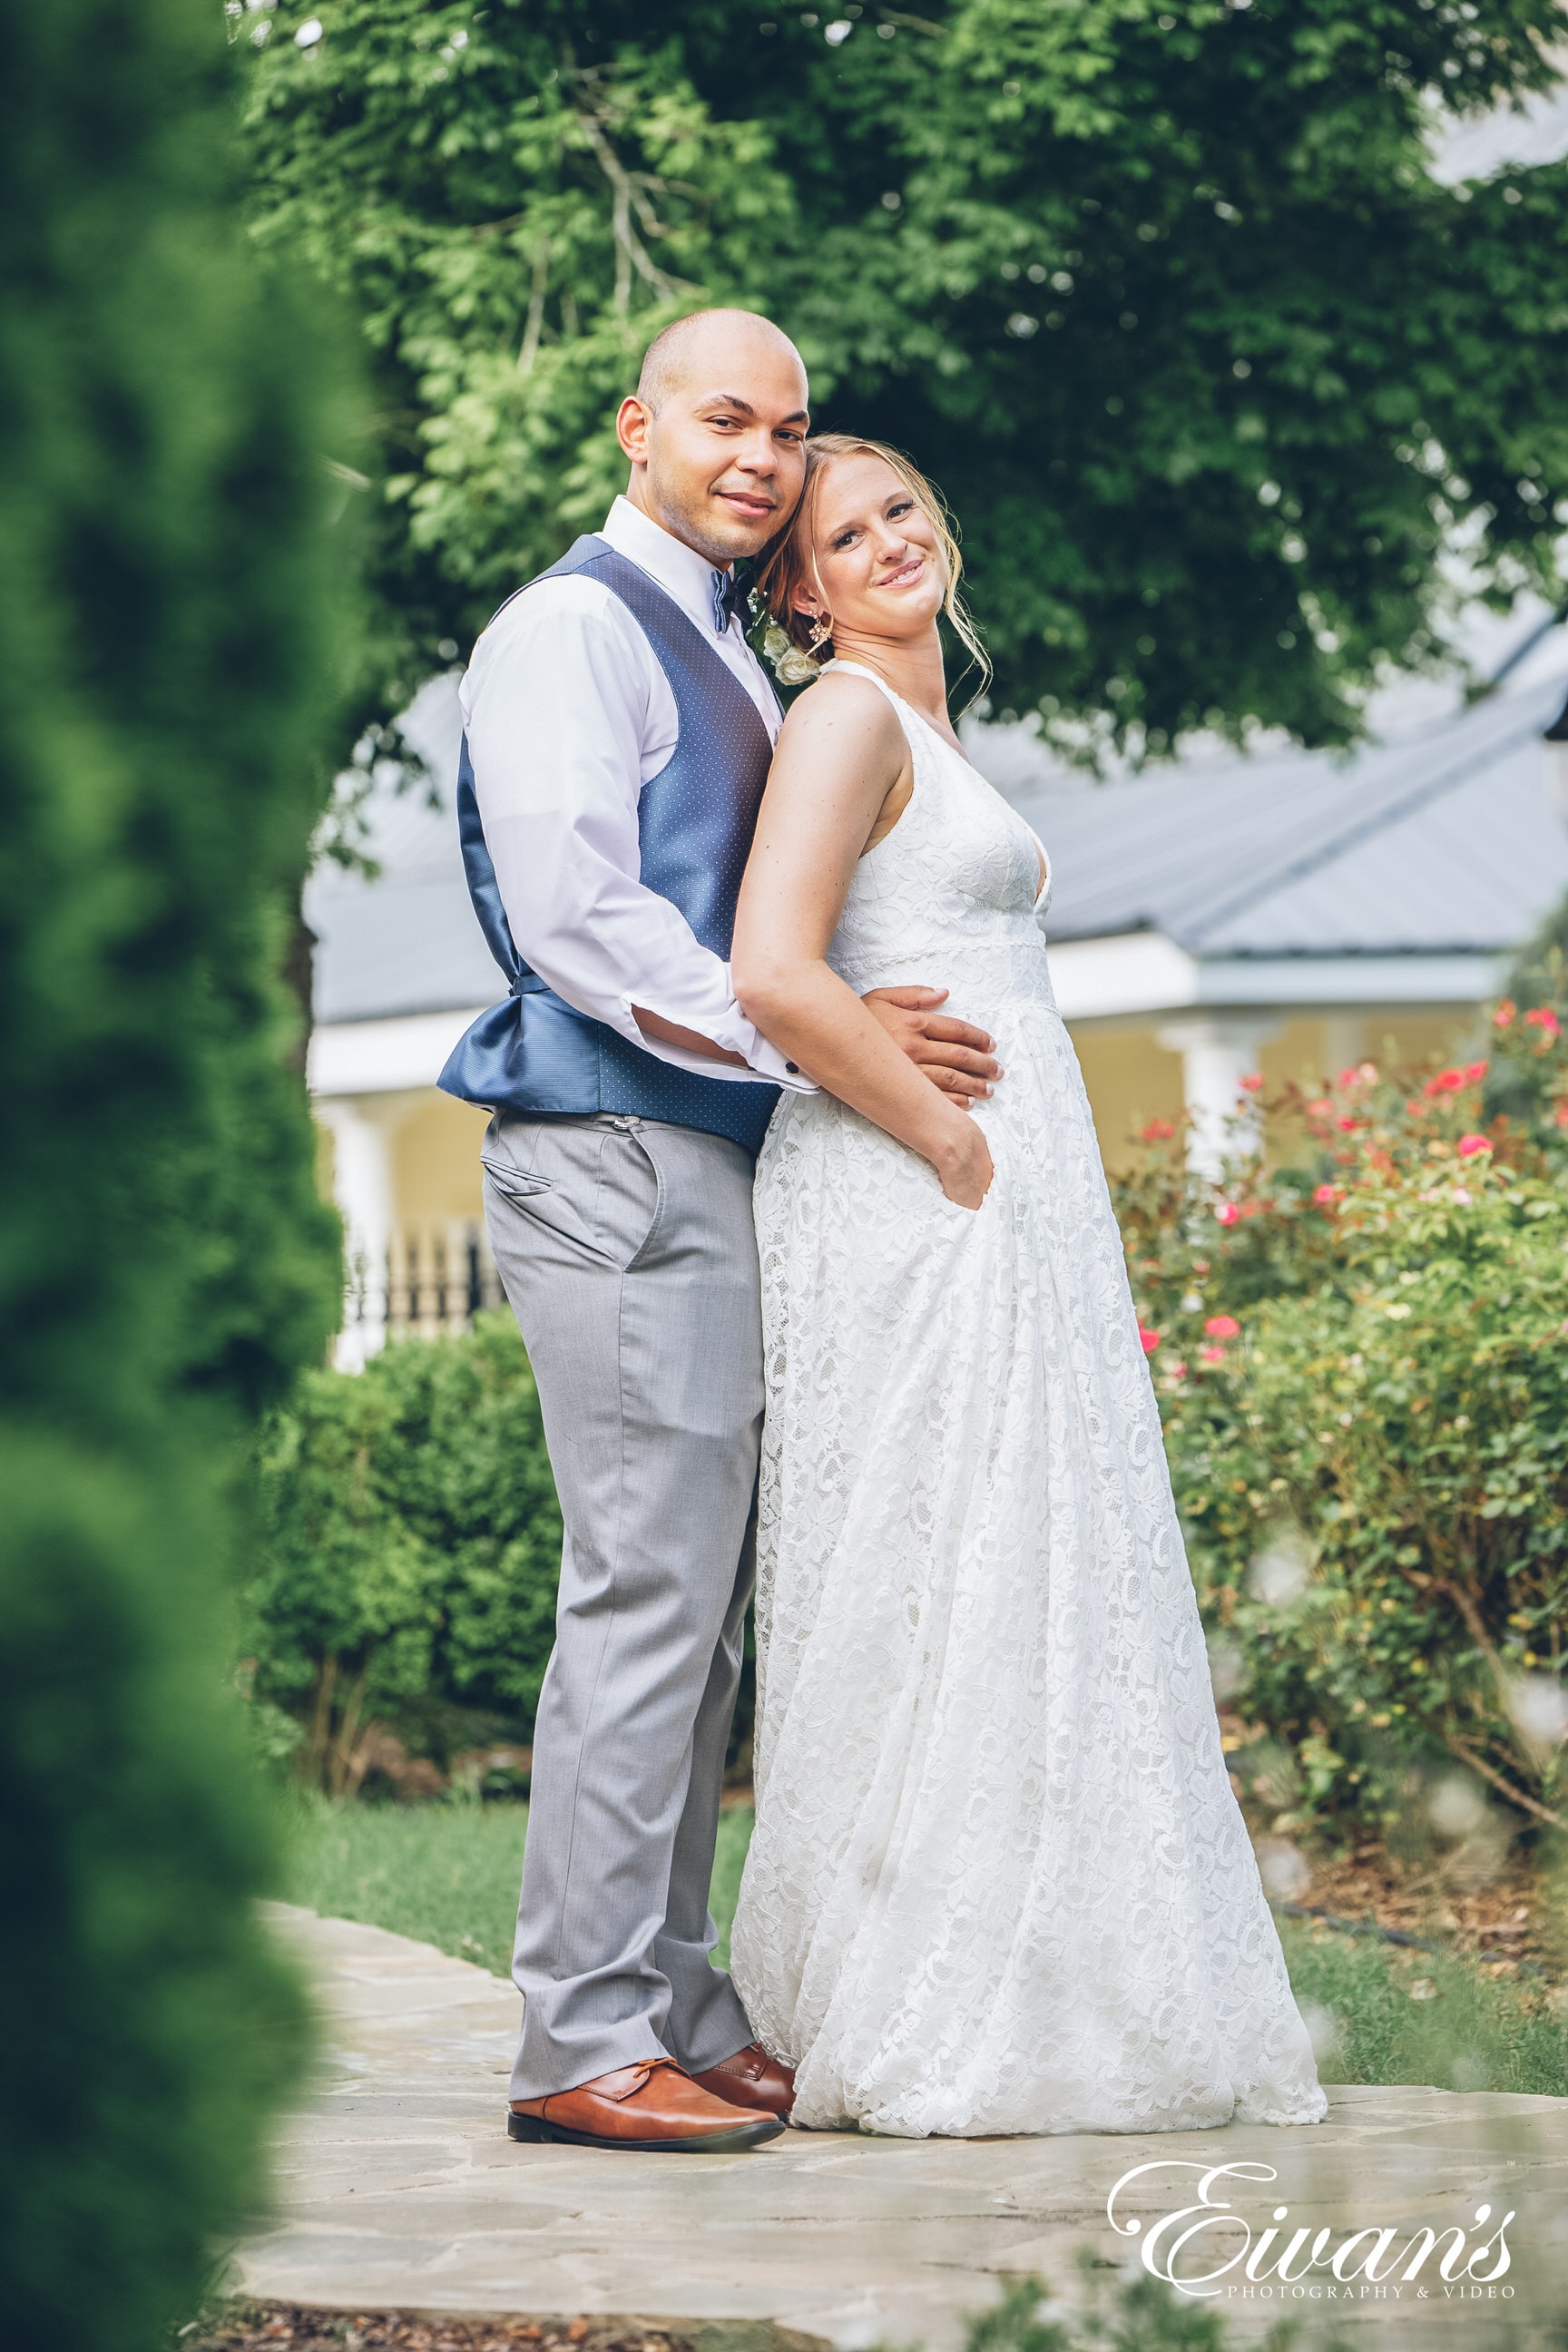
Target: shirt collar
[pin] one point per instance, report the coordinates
(677, 569)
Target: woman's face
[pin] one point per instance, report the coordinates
(879, 559)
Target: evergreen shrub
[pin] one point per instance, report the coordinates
(1361, 1355)
(409, 1554)
(167, 614)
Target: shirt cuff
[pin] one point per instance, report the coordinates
(734, 1033)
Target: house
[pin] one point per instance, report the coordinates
(1298, 912)
(1288, 912)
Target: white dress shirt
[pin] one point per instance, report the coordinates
(568, 714)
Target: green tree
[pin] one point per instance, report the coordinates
(167, 616)
(1161, 291)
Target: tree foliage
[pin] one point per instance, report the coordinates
(166, 618)
(1162, 291)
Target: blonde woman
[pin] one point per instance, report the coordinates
(999, 1882)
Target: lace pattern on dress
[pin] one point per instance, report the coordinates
(999, 1881)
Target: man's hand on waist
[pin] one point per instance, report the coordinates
(958, 1058)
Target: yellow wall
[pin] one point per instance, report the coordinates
(436, 1156)
(1130, 1077)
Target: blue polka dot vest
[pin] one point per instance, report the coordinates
(535, 1053)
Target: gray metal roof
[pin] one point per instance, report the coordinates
(1450, 841)
(407, 942)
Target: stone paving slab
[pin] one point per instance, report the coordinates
(397, 2187)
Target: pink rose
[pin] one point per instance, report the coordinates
(1212, 1355)
(1326, 1195)
(1228, 1214)
(1469, 1145)
(1222, 1326)
(1251, 1083)
(1150, 1339)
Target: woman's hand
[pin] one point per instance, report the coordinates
(963, 1162)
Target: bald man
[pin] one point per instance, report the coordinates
(618, 732)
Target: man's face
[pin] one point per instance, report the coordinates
(721, 463)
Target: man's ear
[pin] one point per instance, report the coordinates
(634, 422)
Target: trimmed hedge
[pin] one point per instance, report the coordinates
(410, 1552)
(167, 619)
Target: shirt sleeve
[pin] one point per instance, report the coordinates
(557, 704)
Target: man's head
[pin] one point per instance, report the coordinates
(716, 432)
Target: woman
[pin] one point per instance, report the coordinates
(999, 1882)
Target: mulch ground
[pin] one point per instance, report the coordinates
(267, 2327)
(1516, 1926)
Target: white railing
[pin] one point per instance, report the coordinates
(435, 1279)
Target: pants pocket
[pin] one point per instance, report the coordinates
(509, 1156)
(514, 1183)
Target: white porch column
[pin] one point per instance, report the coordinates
(362, 1127)
(1218, 1050)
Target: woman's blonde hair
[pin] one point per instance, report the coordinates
(789, 563)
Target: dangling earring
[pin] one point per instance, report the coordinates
(821, 633)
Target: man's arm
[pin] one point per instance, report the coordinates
(954, 1055)
(557, 704)
(660, 1031)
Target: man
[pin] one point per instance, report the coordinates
(618, 732)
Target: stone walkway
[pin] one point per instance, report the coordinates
(398, 2188)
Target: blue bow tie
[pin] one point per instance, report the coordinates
(730, 595)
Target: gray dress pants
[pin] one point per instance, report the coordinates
(628, 1256)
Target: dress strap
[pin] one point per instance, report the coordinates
(863, 670)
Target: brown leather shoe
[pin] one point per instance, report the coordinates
(653, 2104)
(752, 2079)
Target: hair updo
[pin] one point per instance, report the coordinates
(789, 562)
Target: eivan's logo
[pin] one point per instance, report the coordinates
(1194, 2248)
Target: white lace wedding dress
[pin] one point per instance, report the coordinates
(999, 1882)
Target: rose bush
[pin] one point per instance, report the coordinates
(1361, 1354)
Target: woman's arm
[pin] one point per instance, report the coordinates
(841, 753)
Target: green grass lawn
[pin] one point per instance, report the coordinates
(447, 1874)
(1469, 2032)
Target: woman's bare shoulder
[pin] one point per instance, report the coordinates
(841, 704)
